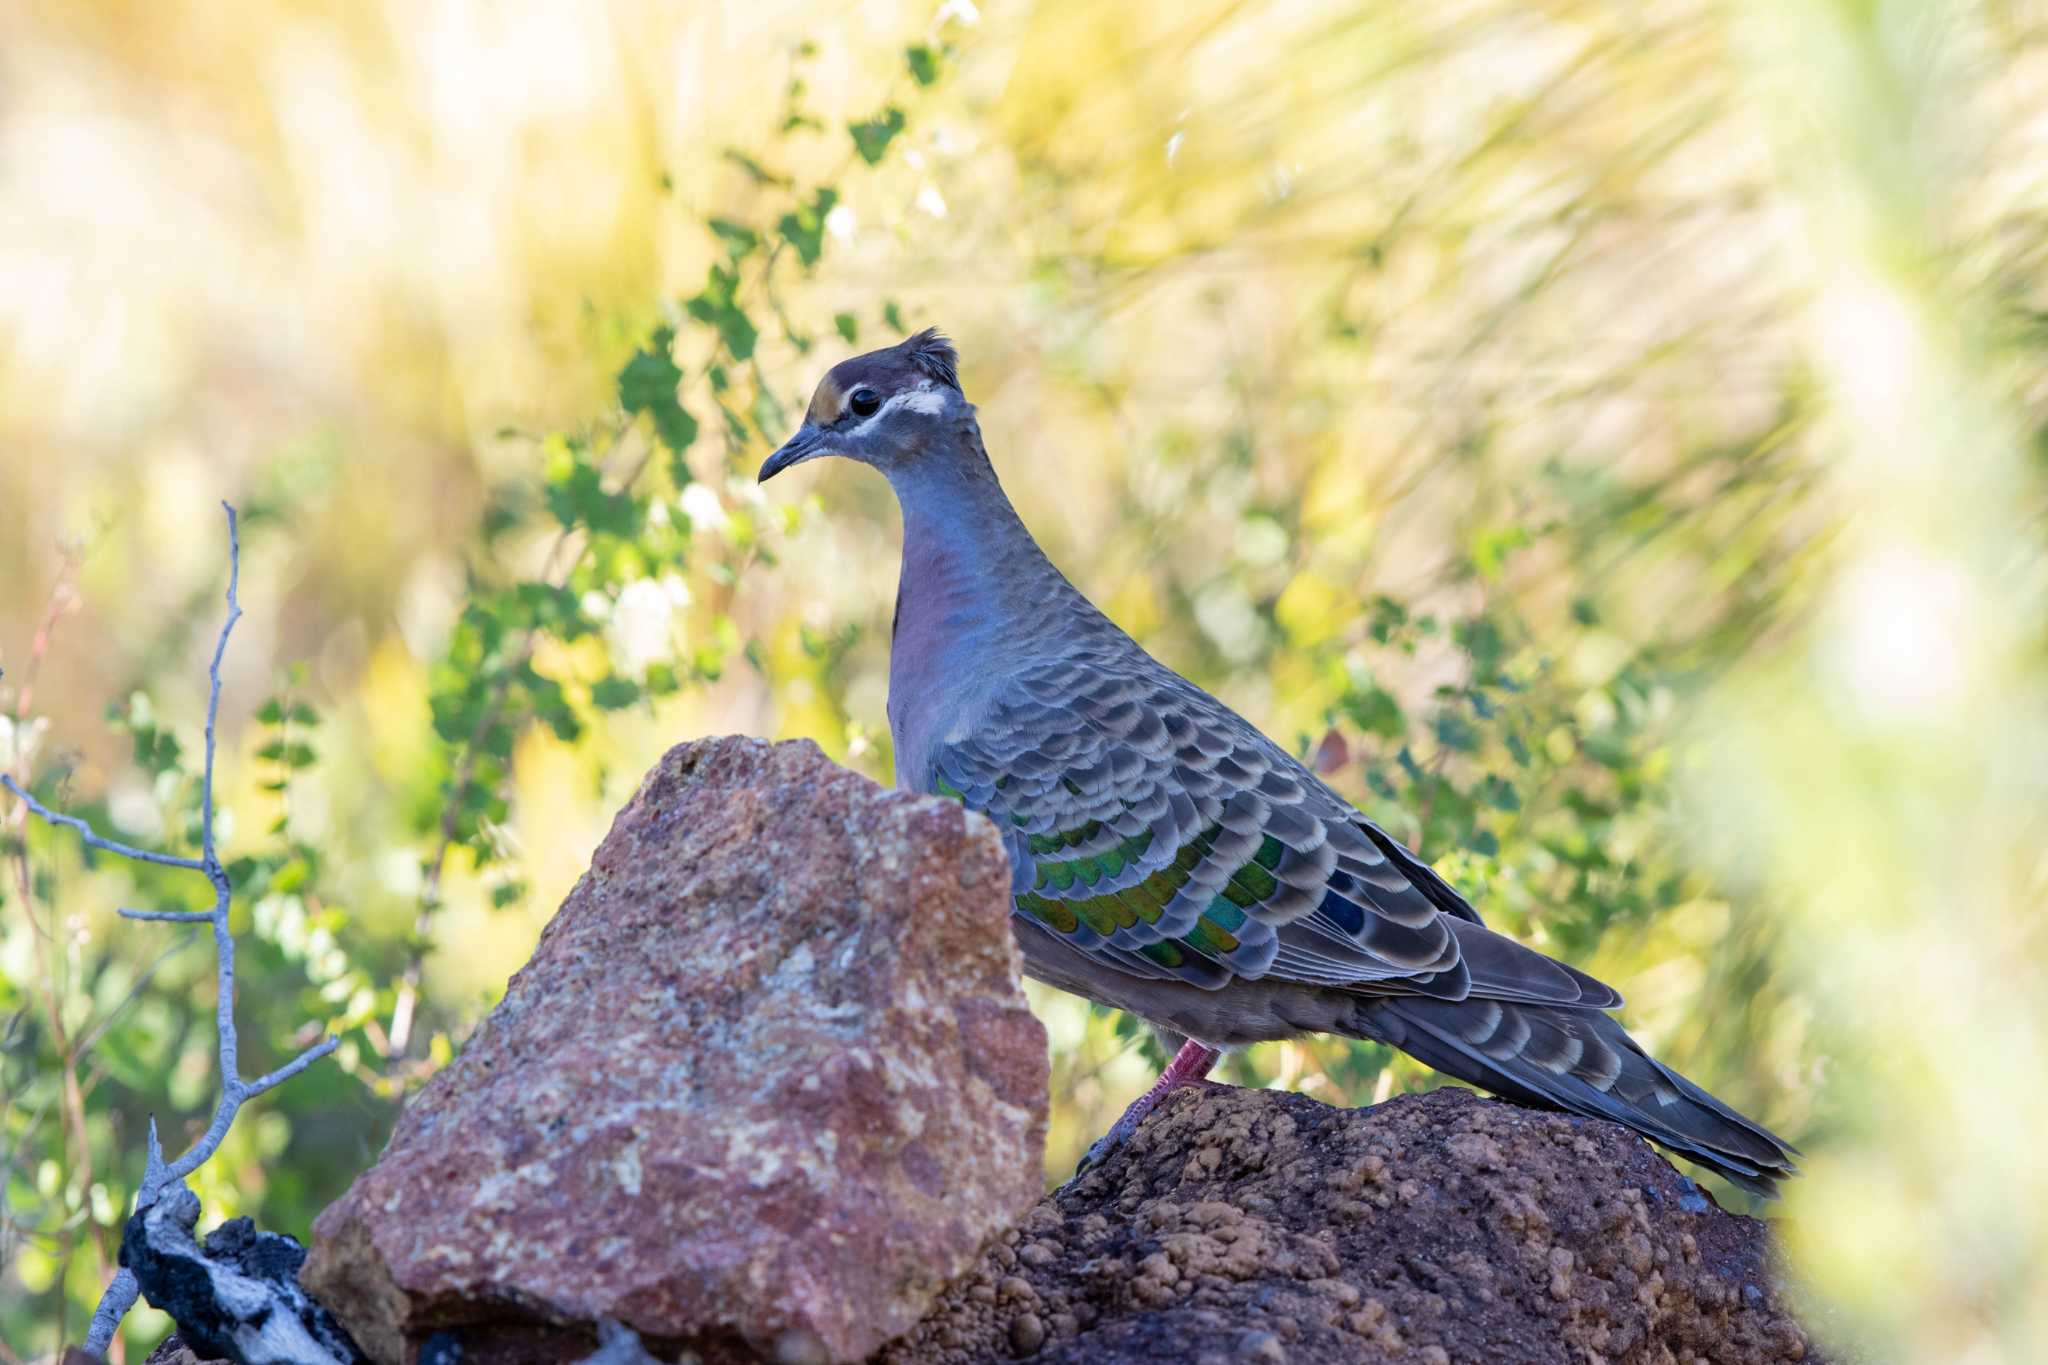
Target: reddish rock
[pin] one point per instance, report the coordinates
(767, 1083)
(1254, 1225)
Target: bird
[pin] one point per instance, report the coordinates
(1167, 858)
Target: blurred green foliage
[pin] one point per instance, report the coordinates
(1600, 440)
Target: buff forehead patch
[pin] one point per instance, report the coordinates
(827, 403)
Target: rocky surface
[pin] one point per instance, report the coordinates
(1257, 1226)
(767, 1083)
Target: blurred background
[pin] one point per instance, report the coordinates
(1607, 440)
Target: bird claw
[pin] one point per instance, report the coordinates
(1100, 1151)
(1122, 1130)
(1190, 1066)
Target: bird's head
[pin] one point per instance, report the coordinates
(886, 408)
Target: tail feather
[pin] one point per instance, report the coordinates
(1581, 1061)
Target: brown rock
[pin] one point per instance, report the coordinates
(1243, 1225)
(767, 1083)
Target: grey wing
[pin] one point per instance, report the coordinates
(1150, 825)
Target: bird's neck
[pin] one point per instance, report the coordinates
(969, 565)
(976, 594)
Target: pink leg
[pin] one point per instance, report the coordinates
(1189, 1067)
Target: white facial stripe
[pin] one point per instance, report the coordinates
(925, 399)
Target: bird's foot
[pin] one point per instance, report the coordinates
(1119, 1133)
(1190, 1066)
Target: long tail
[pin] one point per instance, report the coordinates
(1581, 1061)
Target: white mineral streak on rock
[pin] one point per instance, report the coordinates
(769, 1078)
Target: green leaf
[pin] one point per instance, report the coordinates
(1374, 710)
(739, 239)
(648, 384)
(156, 751)
(577, 497)
(1481, 639)
(614, 693)
(717, 306)
(871, 137)
(1388, 617)
(1455, 732)
(756, 172)
(507, 893)
(892, 315)
(303, 714)
(735, 425)
(804, 227)
(923, 63)
(769, 417)
(848, 325)
(1490, 547)
(271, 712)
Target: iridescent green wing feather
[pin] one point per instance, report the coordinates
(1149, 824)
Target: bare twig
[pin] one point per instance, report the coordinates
(158, 1175)
(92, 840)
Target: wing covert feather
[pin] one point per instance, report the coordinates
(1150, 825)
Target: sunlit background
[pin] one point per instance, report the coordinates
(1605, 439)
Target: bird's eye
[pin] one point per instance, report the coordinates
(864, 402)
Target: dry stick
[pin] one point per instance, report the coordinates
(158, 1175)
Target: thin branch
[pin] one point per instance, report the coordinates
(251, 1089)
(93, 840)
(231, 1100)
(122, 1291)
(159, 1175)
(220, 649)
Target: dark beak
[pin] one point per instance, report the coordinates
(806, 444)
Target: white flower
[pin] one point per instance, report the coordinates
(18, 742)
(702, 507)
(639, 629)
